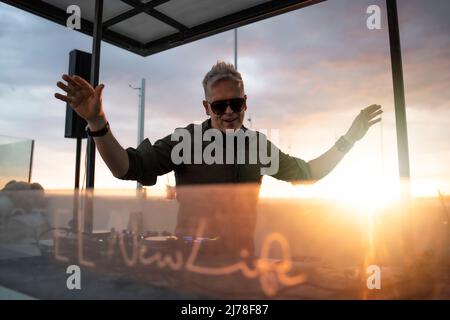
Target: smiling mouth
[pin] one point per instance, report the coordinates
(230, 120)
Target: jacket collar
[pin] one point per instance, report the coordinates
(207, 125)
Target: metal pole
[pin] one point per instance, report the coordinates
(402, 133)
(77, 164)
(95, 69)
(399, 89)
(74, 222)
(236, 66)
(141, 117)
(235, 49)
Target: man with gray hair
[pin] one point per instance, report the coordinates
(225, 103)
(231, 80)
(211, 153)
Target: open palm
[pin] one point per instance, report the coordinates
(82, 97)
(366, 118)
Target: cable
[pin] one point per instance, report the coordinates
(382, 148)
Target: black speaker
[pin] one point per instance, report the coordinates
(80, 65)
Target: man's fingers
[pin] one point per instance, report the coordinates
(70, 80)
(375, 114)
(63, 86)
(371, 123)
(371, 109)
(73, 86)
(83, 83)
(98, 90)
(63, 97)
(77, 83)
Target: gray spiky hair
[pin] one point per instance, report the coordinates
(220, 71)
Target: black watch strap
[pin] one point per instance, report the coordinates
(99, 133)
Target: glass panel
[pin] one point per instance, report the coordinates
(15, 159)
(220, 241)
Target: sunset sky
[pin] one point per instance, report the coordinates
(307, 73)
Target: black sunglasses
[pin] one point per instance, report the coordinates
(220, 106)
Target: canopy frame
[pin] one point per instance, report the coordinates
(184, 34)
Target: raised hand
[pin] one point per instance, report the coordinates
(366, 118)
(83, 98)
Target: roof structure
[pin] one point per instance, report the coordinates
(147, 27)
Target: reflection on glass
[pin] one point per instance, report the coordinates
(223, 241)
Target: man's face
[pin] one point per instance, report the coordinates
(225, 90)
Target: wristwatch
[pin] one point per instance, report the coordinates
(99, 133)
(343, 145)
